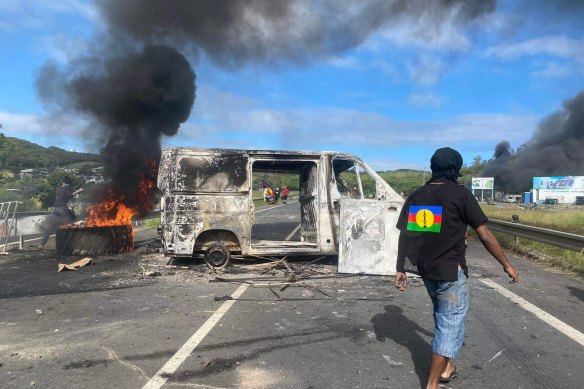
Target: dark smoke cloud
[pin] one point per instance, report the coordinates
(135, 86)
(234, 32)
(133, 101)
(503, 150)
(137, 99)
(556, 149)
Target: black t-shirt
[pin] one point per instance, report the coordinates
(64, 194)
(433, 224)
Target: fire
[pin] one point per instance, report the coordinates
(110, 212)
(115, 211)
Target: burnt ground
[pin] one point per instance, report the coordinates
(32, 272)
(116, 323)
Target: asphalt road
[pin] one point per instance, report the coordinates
(286, 218)
(140, 319)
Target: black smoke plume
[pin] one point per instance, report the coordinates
(133, 100)
(235, 32)
(556, 149)
(137, 99)
(135, 86)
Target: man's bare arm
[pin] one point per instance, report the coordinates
(494, 248)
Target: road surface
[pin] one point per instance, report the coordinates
(140, 320)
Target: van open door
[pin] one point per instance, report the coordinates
(369, 210)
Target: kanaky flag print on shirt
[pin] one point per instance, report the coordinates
(425, 218)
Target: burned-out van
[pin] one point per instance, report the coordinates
(212, 206)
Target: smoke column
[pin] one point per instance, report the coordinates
(234, 32)
(135, 85)
(132, 101)
(556, 149)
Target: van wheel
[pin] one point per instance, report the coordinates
(217, 256)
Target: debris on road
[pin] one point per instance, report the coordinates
(278, 274)
(38, 312)
(75, 265)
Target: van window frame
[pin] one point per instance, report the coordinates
(243, 188)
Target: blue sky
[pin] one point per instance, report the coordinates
(407, 89)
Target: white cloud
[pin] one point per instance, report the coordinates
(18, 16)
(395, 164)
(425, 100)
(336, 128)
(62, 48)
(556, 46)
(386, 67)
(427, 70)
(554, 70)
(59, 130)
(426, 31)
(228, 121)
(349, 63)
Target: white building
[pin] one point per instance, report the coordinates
(564, 189)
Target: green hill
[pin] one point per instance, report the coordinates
(17, 154)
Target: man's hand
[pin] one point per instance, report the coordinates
(401, 281)
(512, 273)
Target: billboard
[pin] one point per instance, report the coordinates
(559, 183)
(483, 182)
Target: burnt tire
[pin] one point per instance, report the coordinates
(94, 240)
(217, 256)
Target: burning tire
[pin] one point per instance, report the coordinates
(94, 240)
(217, 256)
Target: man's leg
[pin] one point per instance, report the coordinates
(440, 367)
(450, 301)
(49, 228)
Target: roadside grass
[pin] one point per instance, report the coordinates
(152, 223)
(566, 220)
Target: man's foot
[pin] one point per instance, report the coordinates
(42, 247)
(450, 372)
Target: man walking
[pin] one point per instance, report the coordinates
(432, 226)
(60, 214)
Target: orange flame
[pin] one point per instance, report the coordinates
(114, 212)
(110, 212)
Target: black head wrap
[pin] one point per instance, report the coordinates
(446, 163)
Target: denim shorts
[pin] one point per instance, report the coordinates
(450, 301)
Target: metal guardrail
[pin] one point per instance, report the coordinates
(8, 214)
(543, 235)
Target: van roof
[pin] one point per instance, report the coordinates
(255, 152)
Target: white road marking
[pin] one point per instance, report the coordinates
(183, 353)
(559, 325)
(292, 233)
(275, 206)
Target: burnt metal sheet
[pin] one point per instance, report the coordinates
(185, 217)
(367, 240)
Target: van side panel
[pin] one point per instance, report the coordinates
(187, 216)
(204, 192)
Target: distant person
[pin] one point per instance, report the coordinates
(61, 214)
(276, 195)
(285, 193)
(268, 195)
(432, 226)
